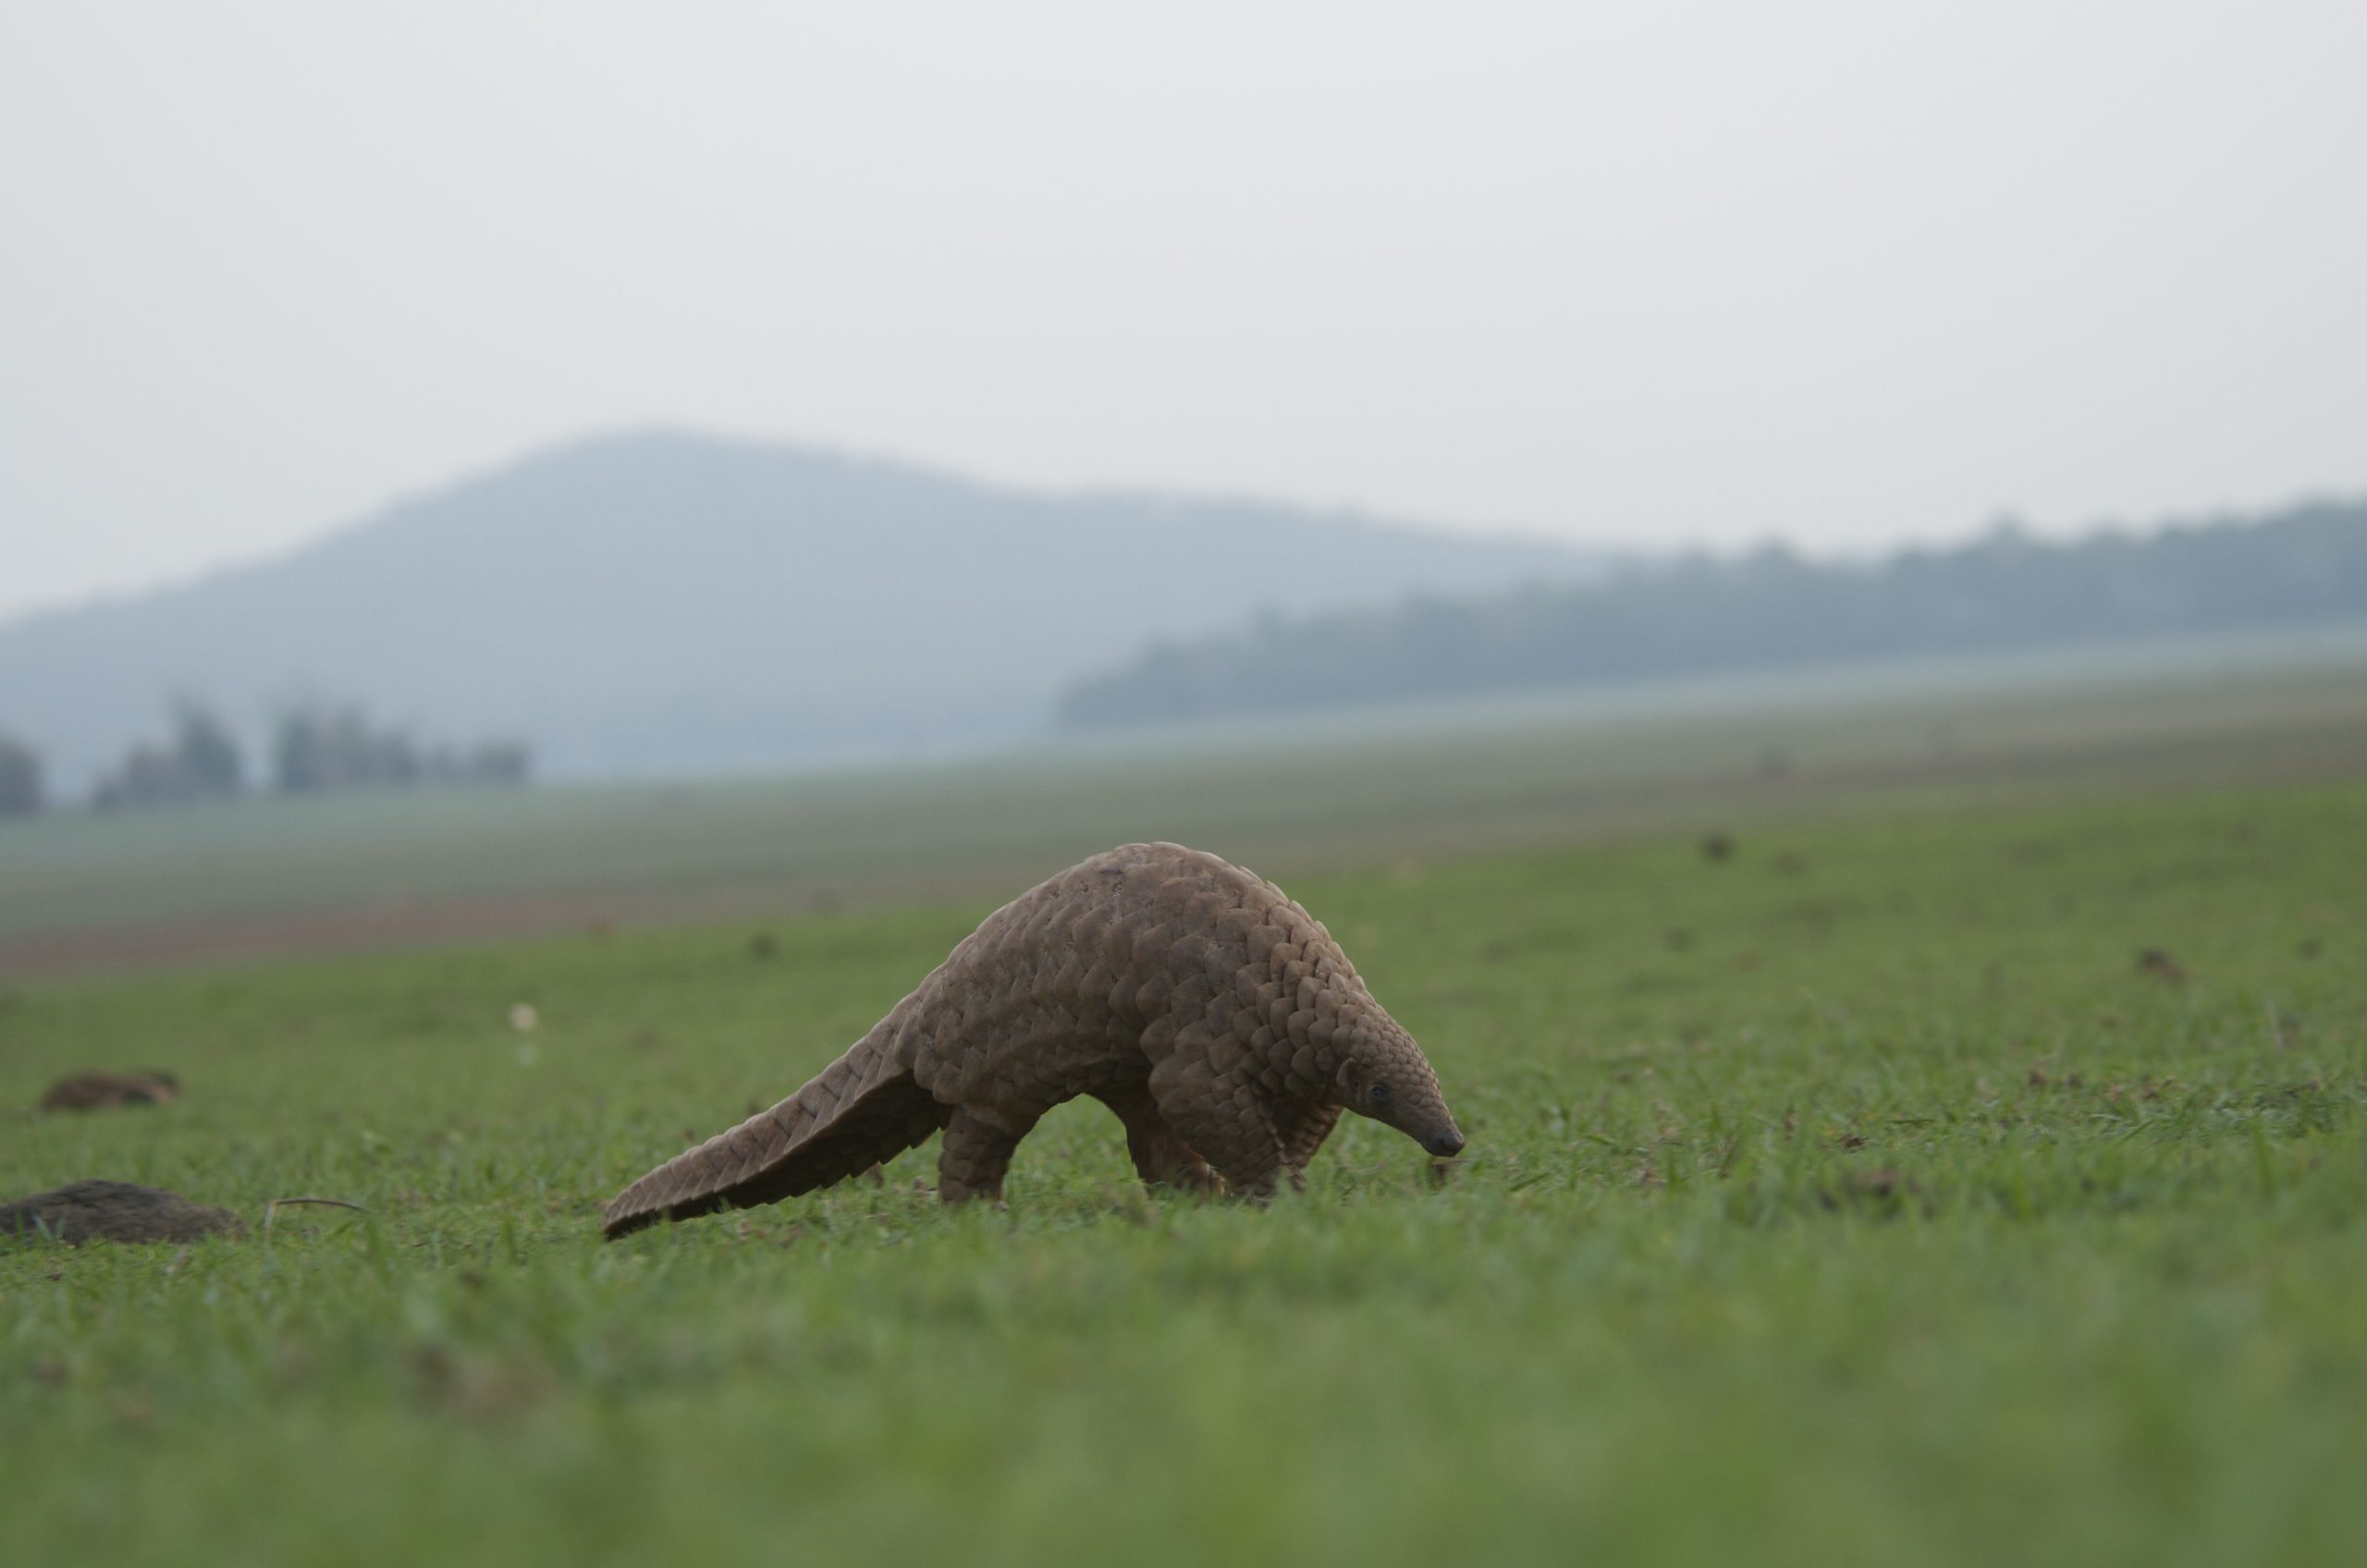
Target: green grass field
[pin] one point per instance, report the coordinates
(269, 877)
(1855, 1198)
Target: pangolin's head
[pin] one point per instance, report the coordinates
(1385, 1076)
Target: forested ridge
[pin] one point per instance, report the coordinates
(2304, 565)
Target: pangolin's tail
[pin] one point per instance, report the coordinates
(863, 1110)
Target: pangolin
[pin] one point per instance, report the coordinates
(1217, 1017)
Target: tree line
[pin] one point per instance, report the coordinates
(314, 748)
(1770, 610)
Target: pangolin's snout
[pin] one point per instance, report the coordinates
(1446, 1145)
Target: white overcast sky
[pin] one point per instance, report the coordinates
(1849, 272)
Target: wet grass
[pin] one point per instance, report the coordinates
(1865, 1193)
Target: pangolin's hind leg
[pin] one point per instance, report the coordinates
(1161, 1159)
(975, 1155)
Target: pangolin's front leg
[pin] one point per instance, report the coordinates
(1161, 1159)
(1227, 1122)
(1302, 1128)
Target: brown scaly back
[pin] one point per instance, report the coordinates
(1213, 1015)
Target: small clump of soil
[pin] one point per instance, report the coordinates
(101, 1091)
(1884, 1191)
(114, 1211)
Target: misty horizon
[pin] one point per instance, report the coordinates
(2051, 530)
(667, 604)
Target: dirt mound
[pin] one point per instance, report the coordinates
(114, 1211)
(98, 1090)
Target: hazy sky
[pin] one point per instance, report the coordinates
(1847, 272)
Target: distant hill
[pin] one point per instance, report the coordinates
(661, 603)
(2305, 567)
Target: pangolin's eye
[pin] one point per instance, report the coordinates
(1381, 1094)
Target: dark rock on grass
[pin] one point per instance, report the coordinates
(1883, 1192)
(99, 1091)
(114, 1211)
